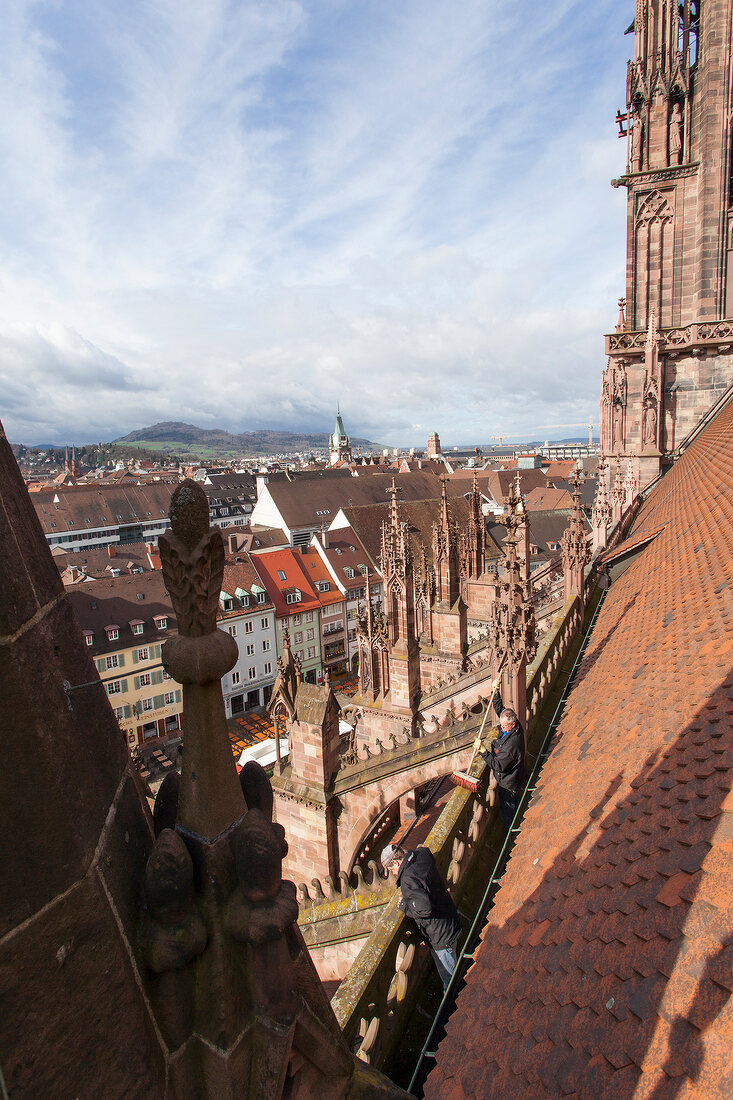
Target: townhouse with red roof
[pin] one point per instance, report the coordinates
(248, 614)
(346, 563)
(297, 606)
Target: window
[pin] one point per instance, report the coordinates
(112, 633)
(161, 622)
(309, 616)
(296, 620)
(227, 604)
(263, 624)
(323, 586)
(113, 661)
(261, 597)
(89, 638)
(141, 595)
(311, 651)
(268, 669)
(252, 673)
(165, 675)
(137, 628)
(169, 697)
(233, 630)
(266, 645)
(114, 687)
(281, 574)
(349, 572)
(143, 654)
(298, 637)
(145, 679)
(147, 704)
(250, 649)
(293, 597)
(310, 635)
(249, 627)
(236, 678)
(119, 713)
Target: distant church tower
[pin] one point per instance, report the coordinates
(339, 445)
(670, 358)
(433, 445)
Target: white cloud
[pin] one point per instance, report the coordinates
(237, 213)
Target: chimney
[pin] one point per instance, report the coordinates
(324, 536)
(111, 551)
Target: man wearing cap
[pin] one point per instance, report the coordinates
(426, 900)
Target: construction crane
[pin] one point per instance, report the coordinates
(497, 437)
(578, 424)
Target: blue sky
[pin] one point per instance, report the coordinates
(237, 214)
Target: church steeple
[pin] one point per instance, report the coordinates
(339, 445)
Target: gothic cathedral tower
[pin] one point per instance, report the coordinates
(671, 356)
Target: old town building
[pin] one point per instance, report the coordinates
(124, 623)
(247, 613)
(285, 575)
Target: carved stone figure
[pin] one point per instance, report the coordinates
(637, 137)
(649, 424)
(675, 135)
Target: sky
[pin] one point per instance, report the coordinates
(239, 214)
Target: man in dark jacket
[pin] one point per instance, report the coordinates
(426, 900)
(506, 758)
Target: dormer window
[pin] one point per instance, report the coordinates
(324, 586)
(349, 572)
(137, 627)
(161, 622)
(89, 637)
(113, 633)
(261, 597)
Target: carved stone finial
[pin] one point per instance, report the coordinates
(189, 512)
(621, 322)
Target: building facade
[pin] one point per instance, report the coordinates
(247, 613)
(297, 608)
(124, 622)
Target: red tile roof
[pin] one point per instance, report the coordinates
(606, 966)
(316, 571)
(269, 563)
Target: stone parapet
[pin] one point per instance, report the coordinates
(377, 996)
(702, 334)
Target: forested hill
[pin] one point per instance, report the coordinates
(173, 436)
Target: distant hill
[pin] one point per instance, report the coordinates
(176, 437)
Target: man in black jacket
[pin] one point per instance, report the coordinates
(506, 758)
(426, 900)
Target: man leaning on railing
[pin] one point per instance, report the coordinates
(425, 899)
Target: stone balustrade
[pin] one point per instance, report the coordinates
(703, 334)
(377, 996)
